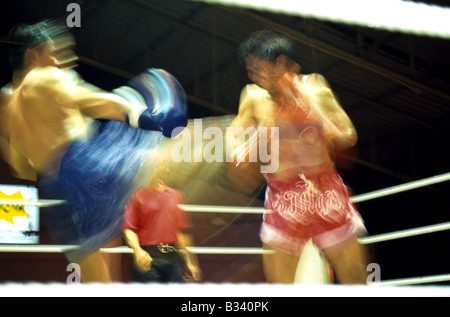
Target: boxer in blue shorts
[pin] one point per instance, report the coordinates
(50, 132)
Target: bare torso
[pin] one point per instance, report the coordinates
(301, 140)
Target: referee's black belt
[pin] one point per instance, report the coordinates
(162, 247)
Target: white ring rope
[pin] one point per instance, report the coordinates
(401, 188)
(414, 280)
(42, 248)
(225, 250)
(38, 248)
(38, 203)
(223, 209)
(405, 233)
(393, 15)
(197, 250)
(242, 209)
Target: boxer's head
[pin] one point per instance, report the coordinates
(47, 43)
(266, 56)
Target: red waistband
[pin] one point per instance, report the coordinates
(324, 168)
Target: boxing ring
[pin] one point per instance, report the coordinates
(409, 285)
(212, 250)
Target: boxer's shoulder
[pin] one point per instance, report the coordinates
(254, 91)
(253, 94)
(313, 80)
(44, 79)
(46, 75)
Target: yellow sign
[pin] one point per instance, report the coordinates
(7, 212)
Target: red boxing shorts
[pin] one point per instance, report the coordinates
(312, 204)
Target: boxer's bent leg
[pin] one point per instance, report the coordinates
(94, 269)
(349, 260)
(114, 260)
(279, 265)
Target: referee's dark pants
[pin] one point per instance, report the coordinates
(167, 266)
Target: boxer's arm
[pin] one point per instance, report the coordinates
(247, 113)
(60, 86)
(95, 104)
(103, 105)
(244, 119)
(338, 126)
(255, 111)
(243, 174)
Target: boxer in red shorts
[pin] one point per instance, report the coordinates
(305, 197)
(314, 204)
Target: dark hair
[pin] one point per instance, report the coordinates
(266, 44)
(24, 36)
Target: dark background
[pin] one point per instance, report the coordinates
(394, 86)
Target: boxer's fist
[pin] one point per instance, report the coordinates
(158, 100)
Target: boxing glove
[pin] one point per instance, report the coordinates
(158, 100)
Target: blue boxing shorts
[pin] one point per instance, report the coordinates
(96, 178)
